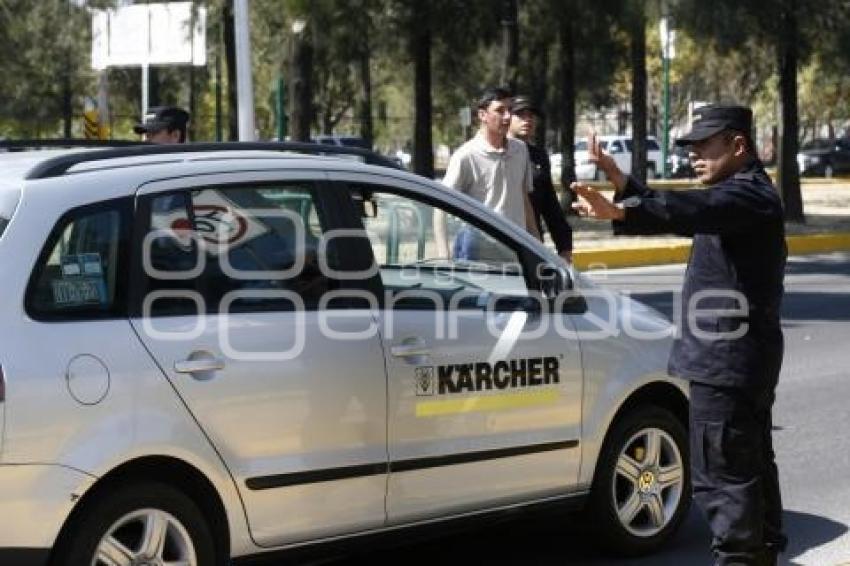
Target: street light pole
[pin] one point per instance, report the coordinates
(245, 86)
(666, 137)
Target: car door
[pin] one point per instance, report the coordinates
(484, 407)
(234, 314)
(842, 155)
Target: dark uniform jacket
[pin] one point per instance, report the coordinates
(545, 203)
(738, 234)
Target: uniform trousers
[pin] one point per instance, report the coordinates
(734, 474)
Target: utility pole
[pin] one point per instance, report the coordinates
(245, 86)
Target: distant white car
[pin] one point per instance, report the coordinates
(620, 148)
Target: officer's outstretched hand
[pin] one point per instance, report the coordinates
(592, 203)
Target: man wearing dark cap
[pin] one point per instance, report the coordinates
(730, 343)
(543, 200)
(164, 124)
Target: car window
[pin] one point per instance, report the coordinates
(78, 273)
(580, 146)
(476, 264)
(652, 145)
(616, 147)
(257, 243)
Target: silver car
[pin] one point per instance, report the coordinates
(209, 354)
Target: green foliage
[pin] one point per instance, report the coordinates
(725, 51)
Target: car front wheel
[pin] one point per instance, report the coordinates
(641, 492)
(147, 523)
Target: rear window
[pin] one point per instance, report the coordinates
(3, 223)
(81, 272)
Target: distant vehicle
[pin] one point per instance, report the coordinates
(679, 163)
(620, 148)
(345, 141)
(824, 157)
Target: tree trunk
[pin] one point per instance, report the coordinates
(193, 107)
(539, 85)
(366, 126)
(154, 87)
(788, 177)
(510, 44)
(638, 52)
(423, 152)
(566, 56)
(301, 85)
(230, 62)
(67, 102)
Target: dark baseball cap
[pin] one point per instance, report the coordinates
(521, 103)
(162, 118)
(714, 118)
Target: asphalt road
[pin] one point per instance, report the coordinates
(811, 419)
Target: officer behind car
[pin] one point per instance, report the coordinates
(730, 348)
(543, 200)
(164, 124)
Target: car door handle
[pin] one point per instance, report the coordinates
(409, 350)
(199, 365)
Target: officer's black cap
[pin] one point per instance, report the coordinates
(713, 119)
(521, 103)
(163, 118)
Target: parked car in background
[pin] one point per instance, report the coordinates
(679, 163)
(342, 141)
(824, 157)
(620, 148)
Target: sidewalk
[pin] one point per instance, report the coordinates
(826, 204)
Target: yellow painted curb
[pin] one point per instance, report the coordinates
(631, 257)
(675, 184)
(818, 243)
(678, 253)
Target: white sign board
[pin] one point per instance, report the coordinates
(149, 34)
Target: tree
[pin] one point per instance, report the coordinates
(637, 48)
(779, 25)
(510, 44)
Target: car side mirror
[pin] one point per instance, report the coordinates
(553, 280)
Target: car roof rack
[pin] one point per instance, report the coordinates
(34, 143)
(59, 165)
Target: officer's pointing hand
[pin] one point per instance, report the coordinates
(599, 157)
(594, 204)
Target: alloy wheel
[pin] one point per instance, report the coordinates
(648, 482)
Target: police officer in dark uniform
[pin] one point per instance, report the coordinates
(730, 346)
(543, 199)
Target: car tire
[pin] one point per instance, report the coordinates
(138, 521)
(641, 491)
(828, 171)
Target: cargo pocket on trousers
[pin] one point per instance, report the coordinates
(728, 451)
